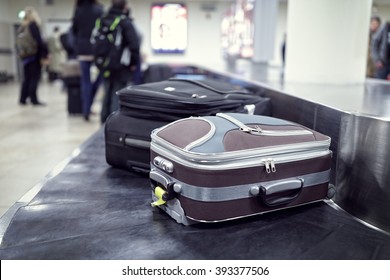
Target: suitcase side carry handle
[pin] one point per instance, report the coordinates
(281, 192)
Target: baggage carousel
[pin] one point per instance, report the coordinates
(85, 209)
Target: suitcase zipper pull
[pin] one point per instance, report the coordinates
(255, 130)
(267, 169)
(273, 167)
(243, 127)
(269, 164)
(259, 131)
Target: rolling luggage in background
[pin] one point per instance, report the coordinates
(5, 77)
(223, 167)
(157, 73)
(71, 76)
(74, 100)
(149, 106)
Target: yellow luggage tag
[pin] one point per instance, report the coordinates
(159, 193)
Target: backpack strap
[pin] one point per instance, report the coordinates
(115, 23)
(97, 23)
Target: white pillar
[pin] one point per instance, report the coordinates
(327, 41)
(265, 20)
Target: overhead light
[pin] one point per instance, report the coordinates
(21, 14)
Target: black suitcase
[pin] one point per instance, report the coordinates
(143, 108)
(74, 100)
(71, 77)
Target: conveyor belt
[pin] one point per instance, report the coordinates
(92, 211)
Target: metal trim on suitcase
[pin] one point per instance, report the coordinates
(208, 194)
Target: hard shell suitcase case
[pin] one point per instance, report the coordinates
(71, 75)
(149, 106)
(223, 167)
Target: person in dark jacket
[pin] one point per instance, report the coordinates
(86, 13)
(32, 63)
(117, 79)
(67, 42)
(375, 24)
(381, 52)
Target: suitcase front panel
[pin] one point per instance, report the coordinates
(273, 191)
(225, 203)
(233, 209)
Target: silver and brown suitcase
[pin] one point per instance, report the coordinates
(228, 166)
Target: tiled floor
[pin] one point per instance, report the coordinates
(33, 140)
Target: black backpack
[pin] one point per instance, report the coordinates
(106, 42)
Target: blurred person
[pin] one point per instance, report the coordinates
(57, 55)
(380, 52)
(67, 42)
(375, 25)
(119, 77)
(137, 73)
(283, 49)
(283, 56)
(85, 15)
(33, 52)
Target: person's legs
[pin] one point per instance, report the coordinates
(114, 104)
(35, 73)
(95, 85)
(106, 103)
(25, 85)
(86, 87)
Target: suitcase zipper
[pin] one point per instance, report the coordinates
(210, 158)
(258, 131)
(269, 164)
(204, 138)
(197, 142)
(212, 162)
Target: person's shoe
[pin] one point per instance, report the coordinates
(23, 103)
(86, 118)
(39, 104)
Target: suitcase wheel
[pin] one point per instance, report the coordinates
(331, 191)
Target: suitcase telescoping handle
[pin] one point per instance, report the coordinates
(278, 193)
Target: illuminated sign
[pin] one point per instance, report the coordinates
(169, 28)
